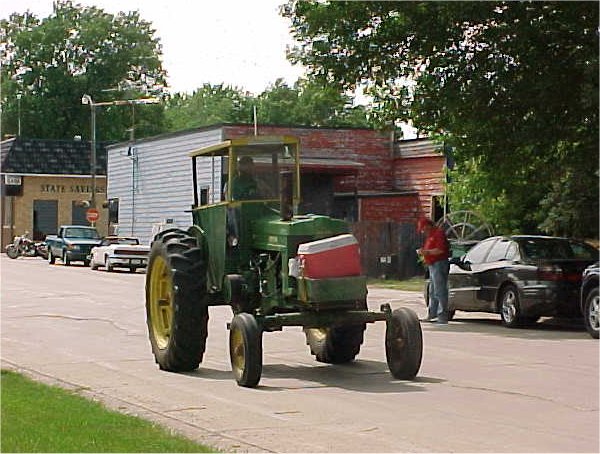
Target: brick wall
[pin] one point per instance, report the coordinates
(398, 208)
(424, 175)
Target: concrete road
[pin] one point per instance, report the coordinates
(481, 388)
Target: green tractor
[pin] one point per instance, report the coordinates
(273, 267)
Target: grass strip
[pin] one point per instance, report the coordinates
(40, 418)
(414, 284)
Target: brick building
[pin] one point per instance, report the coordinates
(44, 183)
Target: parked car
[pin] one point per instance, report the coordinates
(521, 277)
(73, 243)
(590, 301)
(119, 252)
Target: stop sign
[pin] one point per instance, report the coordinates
(92, 215)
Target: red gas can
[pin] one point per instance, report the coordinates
(338, 256)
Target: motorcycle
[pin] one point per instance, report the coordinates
(23, 246)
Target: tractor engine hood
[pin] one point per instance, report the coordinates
(278, 235)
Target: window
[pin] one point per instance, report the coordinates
(437, 207)
(204, 195)
(479, 251)
(113, 211)
(499, 250)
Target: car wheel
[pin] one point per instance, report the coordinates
(592, 313)
(510, 309)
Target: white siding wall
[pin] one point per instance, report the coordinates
(163, 185)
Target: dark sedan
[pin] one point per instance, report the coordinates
(521, 277)
(590, 301)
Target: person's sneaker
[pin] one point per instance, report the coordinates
(429, 319)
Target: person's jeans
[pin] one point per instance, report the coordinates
(438, 290)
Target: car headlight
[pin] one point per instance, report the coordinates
(72, 247)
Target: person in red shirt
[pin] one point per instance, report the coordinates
(435, 253)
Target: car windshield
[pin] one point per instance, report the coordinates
(81, 232)
(554, 248)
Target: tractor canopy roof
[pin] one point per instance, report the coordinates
(250, 145)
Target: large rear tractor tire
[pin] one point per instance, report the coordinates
(176, 309)
(336, 344)
(245, 349)
(404, 344)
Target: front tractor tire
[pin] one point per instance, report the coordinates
(404, 344)
(176, 309)
(245, 349)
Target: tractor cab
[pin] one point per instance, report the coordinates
(258, 179)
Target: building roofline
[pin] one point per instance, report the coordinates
(183, 132)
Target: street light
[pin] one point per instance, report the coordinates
(19, 114)
(87, 99)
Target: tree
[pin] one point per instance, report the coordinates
(78, 50)
(303, 104)
(208, 105)
(511, 86)
(308, 104)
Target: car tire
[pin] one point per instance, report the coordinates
(510, 307)
(176, 301)
(591, 312)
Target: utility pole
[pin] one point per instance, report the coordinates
(87, 99)
(19, 114)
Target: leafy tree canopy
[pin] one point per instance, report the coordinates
(511, 86)
(303, 104)
(51, 63)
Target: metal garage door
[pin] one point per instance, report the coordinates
(45, 218)
(79, 214)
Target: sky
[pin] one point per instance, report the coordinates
(241, 43)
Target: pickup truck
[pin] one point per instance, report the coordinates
(73, 243)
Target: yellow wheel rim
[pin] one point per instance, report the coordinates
(319, 334)
(238, 356)
(161, 302)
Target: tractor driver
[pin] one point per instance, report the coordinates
(245, 185)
